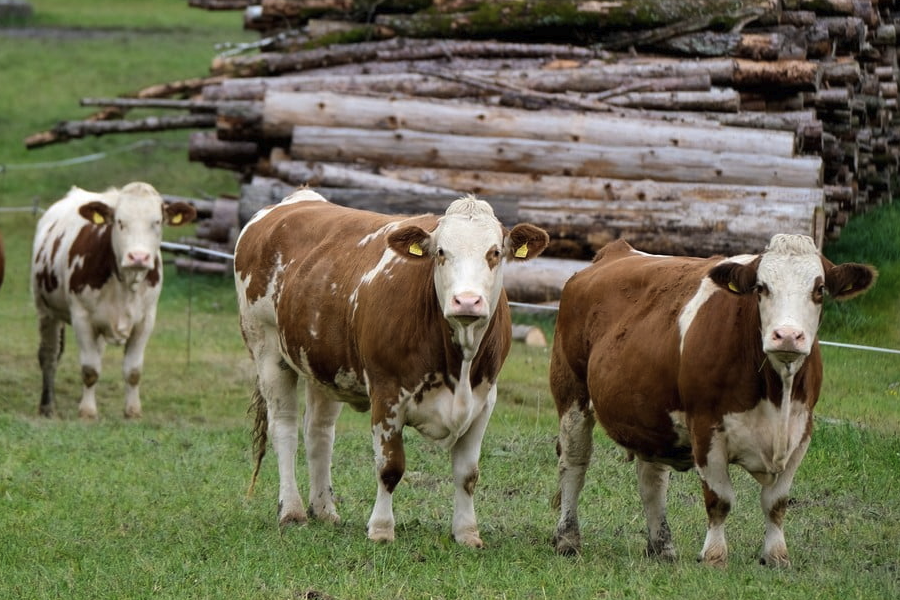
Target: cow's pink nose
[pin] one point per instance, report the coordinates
(788, 338)
(138, 259)
(468, 304)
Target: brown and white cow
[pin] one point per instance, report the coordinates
(405, 316)
(694, 362)
(96, 265)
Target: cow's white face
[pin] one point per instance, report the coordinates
(468, 248)
(137, 227)
(790, 280)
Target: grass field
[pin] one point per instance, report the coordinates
(157, 508)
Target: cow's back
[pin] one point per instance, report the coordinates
(618, 327)
(324, 276)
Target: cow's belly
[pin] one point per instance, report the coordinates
(753, 436)
(443, 416)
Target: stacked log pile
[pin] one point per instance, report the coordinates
(686, 127)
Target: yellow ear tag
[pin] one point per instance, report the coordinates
(416, 249)
(522, 251)
(176, 219)
(733, 287)
(848, 287)
(98, 219)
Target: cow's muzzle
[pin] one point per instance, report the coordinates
(787, 344)
(466, 308)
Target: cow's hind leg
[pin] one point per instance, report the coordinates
(774, 499)
(51, 346)
(277, 384)
(390, 463)
(653, 483)
(465, 455)
(318, 436)
(575, 445)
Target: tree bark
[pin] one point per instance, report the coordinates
(411, 148)
(68, 130)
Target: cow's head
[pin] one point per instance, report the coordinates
(135, 215)
(468, 248)
(791, 280)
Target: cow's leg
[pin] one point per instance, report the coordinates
(575, 445)
(90, 351)
(774, 499)
(718, 494)
(278, 385)
(318, 436)
(653, 483)
(133, 365)
(465, 455)
(390, 464)
(51, 332)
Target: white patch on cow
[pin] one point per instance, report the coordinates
(443, 415)
(679, 426)
(304, 195)
(388, 257)
(704, 292)
(380, 233)
(754, 437)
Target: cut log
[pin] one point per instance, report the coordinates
(335, 175)
(282, 111)
(68, 130)
(540, 279)
(414, 148)
(529, 335)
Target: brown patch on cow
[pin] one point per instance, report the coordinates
(776, 513)
(46, 279)
(94, 245)
(134, 377)
(471, 481)
(89, 376)
(493, 257)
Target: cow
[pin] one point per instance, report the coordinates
(403, 316)
(96, 265)
(694, 363)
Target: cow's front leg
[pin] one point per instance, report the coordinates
(653, 484)
(390, 464)
(51, 343)
(774, 500)
(465, 455)
(318, 436)
(132, 367)
(90, 349)
(718, 495)
(575, 445)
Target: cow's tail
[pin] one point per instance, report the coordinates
(260, 432)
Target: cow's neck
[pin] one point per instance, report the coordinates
(780, 382)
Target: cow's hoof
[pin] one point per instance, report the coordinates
(470, 539)
(45, 411)
(87, 415)
(567, 544)
(133, 413)
(381, 534)
(776, 561)
(325, 516)
(290, 516)
(714, 559)
(663, 552)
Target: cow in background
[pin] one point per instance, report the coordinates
(405, 316)
(96, 264)
(695, 363)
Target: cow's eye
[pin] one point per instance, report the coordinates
(762, 289)
(440, 252)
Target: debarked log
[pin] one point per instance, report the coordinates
(414, 148)
(284, 110)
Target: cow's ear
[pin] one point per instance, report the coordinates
(849, 279)
(179, 213)
(410, 242)
(97, 212)
(525, 241)
(734, 277)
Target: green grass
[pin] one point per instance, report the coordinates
(157, 508)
